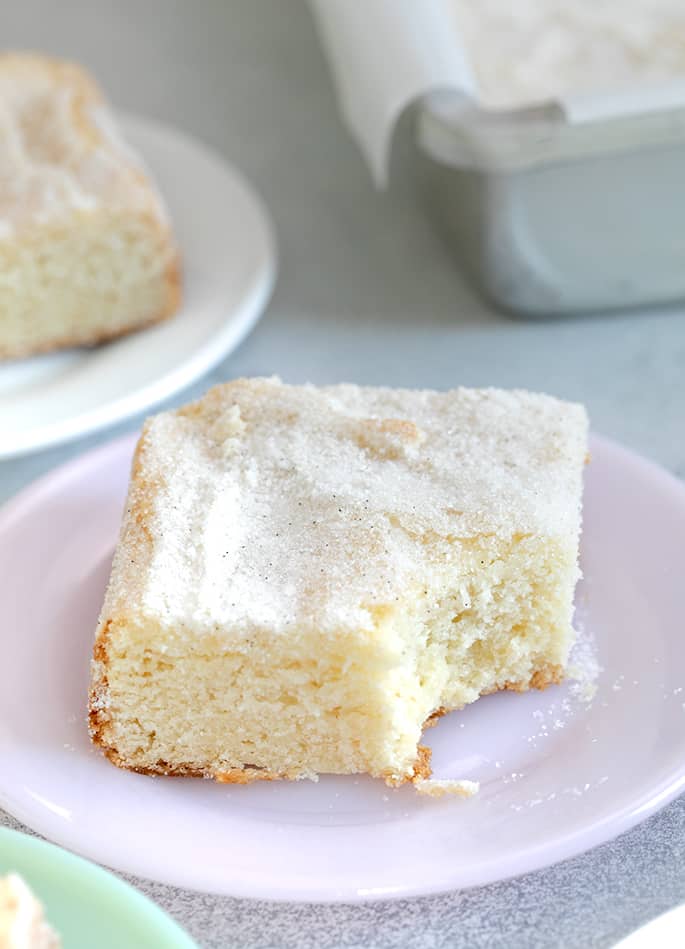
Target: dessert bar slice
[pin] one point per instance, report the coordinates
(305, 576)
(86, 250)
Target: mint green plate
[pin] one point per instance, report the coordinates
(85, 904)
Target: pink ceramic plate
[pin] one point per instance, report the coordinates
(560, 771)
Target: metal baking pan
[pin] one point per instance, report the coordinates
(549, 217)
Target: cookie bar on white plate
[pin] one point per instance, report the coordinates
(86, 248)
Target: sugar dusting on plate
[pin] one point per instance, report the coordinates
(583, 666)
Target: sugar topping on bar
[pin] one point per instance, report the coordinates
(290, 507)
(59, 148)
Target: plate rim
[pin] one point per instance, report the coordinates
(57, 858)
(224, 341)
(539, 856)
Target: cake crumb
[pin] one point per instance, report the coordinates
(434, 787)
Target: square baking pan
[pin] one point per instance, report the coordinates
(549, 217)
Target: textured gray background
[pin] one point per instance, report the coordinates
(367, 293)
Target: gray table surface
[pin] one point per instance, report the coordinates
(367, 293)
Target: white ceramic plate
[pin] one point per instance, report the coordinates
(665, 932)
(229, 265)
(559, 773)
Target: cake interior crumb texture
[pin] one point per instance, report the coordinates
(306, 576)
(86, 250)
